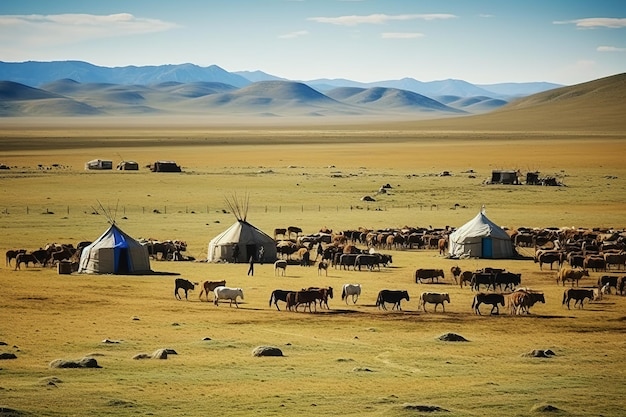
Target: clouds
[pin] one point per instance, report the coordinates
(610, 49)
(401, 35)
(295, 34)
(595, 22)
(378, 19)
(37, 29)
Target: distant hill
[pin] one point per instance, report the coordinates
(592, 106)
(36, 74)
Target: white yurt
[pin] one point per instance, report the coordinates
(242, 240)
(480, 238)
(114, 253)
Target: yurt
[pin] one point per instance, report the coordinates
(480, 238)
(114, 253)
(241, 240)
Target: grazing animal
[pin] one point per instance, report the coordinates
(278, 265)
(209, 286)
(595, 262)
(456, 273)
(621, 285)
(435, 298)
(465, 278)
(12, 254)
(227, 293)
(487, 298)
(371, 261)
(577, 294)
(281, 232)
(549, 257)
(279, 295)
(482, 278)
(608, 281)
(324, 294)
(431, 274)
(508, 279)
(184, 284)
(442, 244)
(394, 297)
(290, 299)
(352, 290)
(521, 300)
(568, 274)
(618, 259)
(307, 297)
(322, 266)
(36, 257)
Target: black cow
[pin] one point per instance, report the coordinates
(611, 280)
(185, 285)
(508, 279)
(393, 297)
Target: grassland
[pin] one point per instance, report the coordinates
(351, 360)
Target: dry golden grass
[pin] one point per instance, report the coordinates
(46, 316)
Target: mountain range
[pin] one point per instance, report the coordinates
(74, 88)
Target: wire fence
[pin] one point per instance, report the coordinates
(67, 210)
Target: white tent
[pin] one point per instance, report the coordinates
(114, 253)
(481, 238)
(247, 239)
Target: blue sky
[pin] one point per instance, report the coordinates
(481, 41)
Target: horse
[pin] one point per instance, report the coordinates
(323, 265)
(324, 293)
(280, 264)
(353, 290)
(487, 298)
(209, 286)
(227, 293)
(279, 295)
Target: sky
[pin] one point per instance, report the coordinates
(479, 41)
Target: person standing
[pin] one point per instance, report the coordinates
(251, 268)
(235, 253)
(261, 255)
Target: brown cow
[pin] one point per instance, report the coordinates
(209, 286)
(568, 274)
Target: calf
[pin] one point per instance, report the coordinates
(609, 281)
(209, 286)
(185, 285)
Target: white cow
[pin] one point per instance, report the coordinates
(227, 293)
(280, 264)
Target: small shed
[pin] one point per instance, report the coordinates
(504, 177)
(99, 164)
(165, 166)
(128, 166)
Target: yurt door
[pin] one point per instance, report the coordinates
(251, 251)
(487, 247)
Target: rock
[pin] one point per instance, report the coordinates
(266, 351)
(141, 356)
(543, 408)
(539, 353)
(7, 355)
(424, 408)
(452, 337)
(85, 362)
(159, 354)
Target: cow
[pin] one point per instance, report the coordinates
(465, 278)
(371, 261)
(431, 274)
(290, 300)
(39, 256)
(227, 293)
(322, 266)
(184, 284)
(12, 254)
(347, 259)
(609, 281)
(568, 274)
(394, 297)
(618, 259)
(433, 298)
(577, 294)
(279, 295)
(482, 278)
(595, 262)
(280, 264)
(521, 300)
(508, 279)
(209, 286)
(621, 285)
(442, 245)
(487, 298)
(307, 297)
(456, 272)
(549, 257)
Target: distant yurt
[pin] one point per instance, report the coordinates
(480, 238)
(99, 164)
(114, 253)
(128, 166)
(242, 240)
